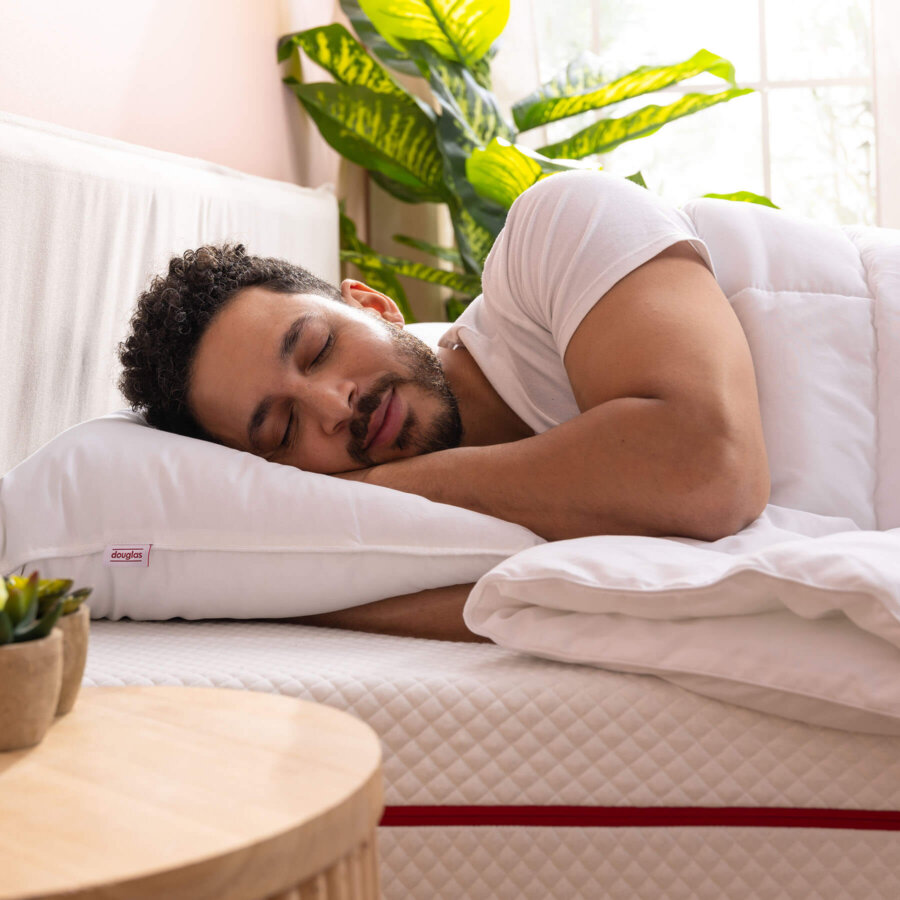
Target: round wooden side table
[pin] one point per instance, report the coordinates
(183, 793)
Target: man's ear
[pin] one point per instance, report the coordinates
(361, 296)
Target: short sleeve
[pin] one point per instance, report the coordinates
(569, 238)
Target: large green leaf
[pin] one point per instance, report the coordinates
(470, 119)
(445, 253)
(605, 135)
(745, 197)
(502, 171)
(461, 96)
(396, 189)
(460, 30)
(375, 274)
(468, 284)
(473, 239)
(380, 132)
(369, 35)
(581, 74)
(476, 220)
(334, 49)
(576, 90)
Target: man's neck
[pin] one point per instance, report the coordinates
(486, 418)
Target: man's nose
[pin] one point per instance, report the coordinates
(331, 402)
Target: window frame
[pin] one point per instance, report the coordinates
(886, 95)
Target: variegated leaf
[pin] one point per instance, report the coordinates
(454, 280)
(368, 34)
(607, 134)
(379, 132)
(472, 238)
(579, 76)
(745, 197)
(372, 271)
(460, 30)
(564, 96)
(502, 170)
(396, 189)
(334, 49)
(460, 96)
(476, 220)
(446, 253)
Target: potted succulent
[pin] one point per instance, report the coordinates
(36, 656)
(74, 622)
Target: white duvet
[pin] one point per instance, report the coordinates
(799, 614)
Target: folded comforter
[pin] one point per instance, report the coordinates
(798, 615)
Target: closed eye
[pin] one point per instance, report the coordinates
(287, 431)
(285, 441)
(324, 351)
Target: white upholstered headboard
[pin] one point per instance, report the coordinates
(84, 223)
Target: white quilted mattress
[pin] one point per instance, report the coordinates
(512, 776)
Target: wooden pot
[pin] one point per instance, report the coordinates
(30, 682)
(75, 629)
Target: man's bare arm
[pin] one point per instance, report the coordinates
(435, 614)
(669, 441)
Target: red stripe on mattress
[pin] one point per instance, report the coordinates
(646, 816)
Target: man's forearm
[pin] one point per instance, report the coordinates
(629, 466)
(434, 614)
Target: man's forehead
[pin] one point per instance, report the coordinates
(259, 296)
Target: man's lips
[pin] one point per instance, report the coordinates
(377, 419)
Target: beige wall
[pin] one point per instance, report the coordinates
(197, 77)
(200, 78)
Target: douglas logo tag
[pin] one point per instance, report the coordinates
(128, 555)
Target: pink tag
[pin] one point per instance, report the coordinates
(128, 555)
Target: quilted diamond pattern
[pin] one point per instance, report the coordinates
(477, 724)
(500, 863)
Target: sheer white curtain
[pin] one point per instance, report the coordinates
(808, 138)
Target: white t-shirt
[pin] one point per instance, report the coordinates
(566, 242)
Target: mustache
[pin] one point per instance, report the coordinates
(359, 427)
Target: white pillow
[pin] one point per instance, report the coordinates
(230, 535)
(798, 615)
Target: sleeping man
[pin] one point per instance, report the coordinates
(601, 384)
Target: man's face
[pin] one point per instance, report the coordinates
(321, 385)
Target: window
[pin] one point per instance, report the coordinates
(808, 137)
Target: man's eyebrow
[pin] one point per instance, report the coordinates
(288, 343)
(292, 335)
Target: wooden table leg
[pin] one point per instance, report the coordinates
(353, 877)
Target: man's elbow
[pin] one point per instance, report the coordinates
(729, 494)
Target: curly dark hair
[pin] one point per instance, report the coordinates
(174, 313)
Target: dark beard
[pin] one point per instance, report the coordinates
(426, 372)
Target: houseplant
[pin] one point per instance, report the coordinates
(32, 655)
(74, 623)
(465, 154)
